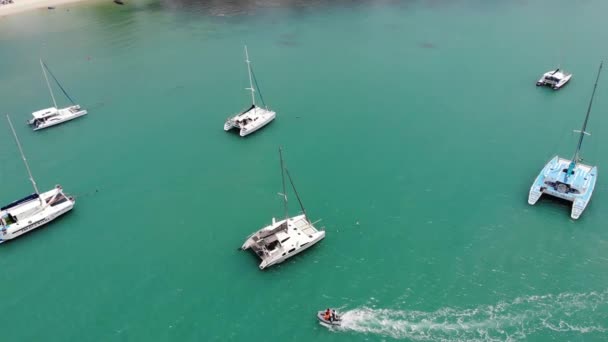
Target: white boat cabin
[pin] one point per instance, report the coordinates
(555, 79)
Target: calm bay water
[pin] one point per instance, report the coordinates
(412, 128)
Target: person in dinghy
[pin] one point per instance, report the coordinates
(329, 317)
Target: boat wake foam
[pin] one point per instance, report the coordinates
(574, 313)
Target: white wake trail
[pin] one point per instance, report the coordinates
(576, 313)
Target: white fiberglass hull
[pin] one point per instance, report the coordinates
(265, 121)
(32, 214)
(250, 121)
(577, 188)
(300, 236)
(279, 260)
(64, 115)
(546, 81)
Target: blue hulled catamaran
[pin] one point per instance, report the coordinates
(568, 179)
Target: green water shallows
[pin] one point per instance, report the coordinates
(413, 129)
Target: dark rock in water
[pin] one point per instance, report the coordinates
(288, 39)
(119, 2)
(287, 43)
(426, 45)
(51, 7)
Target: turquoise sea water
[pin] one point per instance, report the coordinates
(412, 129)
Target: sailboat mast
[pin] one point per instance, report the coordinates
(297, 195)
(47, 83)
(584, 129)
(250, 80)
(284, 191)
(23, 157)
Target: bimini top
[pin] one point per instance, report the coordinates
(19, 201)
(43, 113)
(556, 75)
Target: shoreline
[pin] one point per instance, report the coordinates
(20, 6)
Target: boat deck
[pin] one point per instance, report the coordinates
(578, 180)
(304, 226)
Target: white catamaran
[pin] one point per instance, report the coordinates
(54, 116)
(568, 179)
(33, 211)
(283, 239)
(555, 79)
(254, 117)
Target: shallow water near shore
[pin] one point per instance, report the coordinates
(413, 129)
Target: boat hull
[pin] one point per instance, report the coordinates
(258, 118)
(279, 260)
(554, 85)
(245, 131)
(42, 217)
(321, 318)
(65, 115)
(577, 188)
(299, 228)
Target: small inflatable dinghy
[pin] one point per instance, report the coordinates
(337, 320)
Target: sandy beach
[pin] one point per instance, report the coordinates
(26, 5)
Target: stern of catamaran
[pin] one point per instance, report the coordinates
(6, 219)
(229, 124)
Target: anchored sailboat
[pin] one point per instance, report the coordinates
(254, 117)
(53, 116)
(554, 78)
(35, 210)
(283, 239)
(569, 179)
